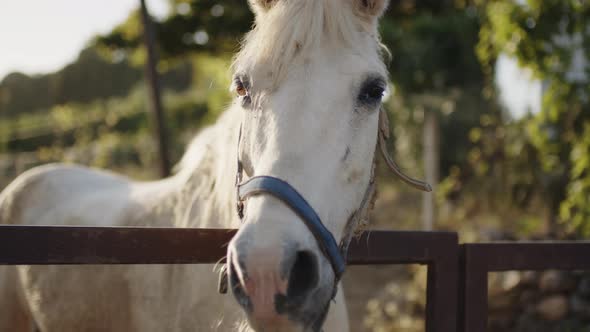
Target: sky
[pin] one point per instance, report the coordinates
(519, 93)
(41, 36)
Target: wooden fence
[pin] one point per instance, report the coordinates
(457, 273)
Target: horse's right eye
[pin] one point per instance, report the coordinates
(241, 89)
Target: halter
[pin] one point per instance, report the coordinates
(286, 193)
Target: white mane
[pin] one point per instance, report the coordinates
(285, 35)
(206, 176)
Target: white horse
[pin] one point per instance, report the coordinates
(309, 81)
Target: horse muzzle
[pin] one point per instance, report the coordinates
(281, 285)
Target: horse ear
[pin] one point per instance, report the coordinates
(261, 6)
(370, 10)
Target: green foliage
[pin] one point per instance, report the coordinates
(529, 32)
(432, 52)
(576, 207)
(214, 26)
(88, 78)
(434, 69)
(72, 124)
(112, 133)
(544, 35)
(212, 81)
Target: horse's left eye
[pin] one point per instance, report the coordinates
(372, 92)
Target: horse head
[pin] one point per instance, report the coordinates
(309, 82)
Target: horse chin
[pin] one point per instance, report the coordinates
(280, 323)
(277, 324)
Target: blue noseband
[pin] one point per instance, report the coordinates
(287, 194)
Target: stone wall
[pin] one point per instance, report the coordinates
(548, 301)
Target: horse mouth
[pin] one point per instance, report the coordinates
(291, 314)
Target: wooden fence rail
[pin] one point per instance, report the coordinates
(54, 245)
(457, 274)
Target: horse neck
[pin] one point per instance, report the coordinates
(206, 190)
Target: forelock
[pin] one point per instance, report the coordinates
(293, 29)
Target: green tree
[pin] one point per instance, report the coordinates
(88, 78)
(547, 36)
(435, 69)
(193, 26)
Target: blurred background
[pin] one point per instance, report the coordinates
(491, 101)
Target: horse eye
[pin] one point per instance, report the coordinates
(371, 93)
(241, 89)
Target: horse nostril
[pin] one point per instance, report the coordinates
(304, 275)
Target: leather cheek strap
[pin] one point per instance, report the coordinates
(383, 136)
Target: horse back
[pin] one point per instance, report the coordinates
(59, 194)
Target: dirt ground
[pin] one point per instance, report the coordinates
(363, 283)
